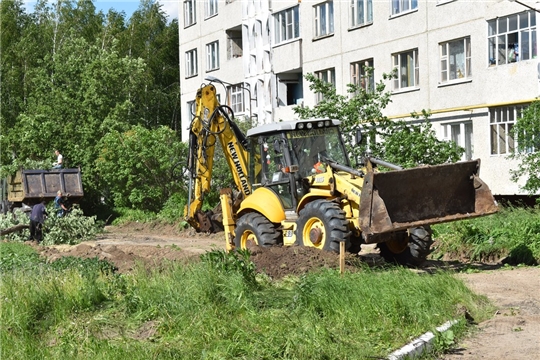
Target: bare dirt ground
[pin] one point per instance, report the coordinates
(512, 334)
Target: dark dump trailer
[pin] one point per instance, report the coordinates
(28, 187)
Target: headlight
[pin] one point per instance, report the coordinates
(309, 125)
(301, 126)
(320, 124)
(327, 123)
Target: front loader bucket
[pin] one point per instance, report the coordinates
(402, 199)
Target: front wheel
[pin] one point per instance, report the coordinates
(322, 224)
(253, 229)
(407, 248)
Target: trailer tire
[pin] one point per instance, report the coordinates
(408, 249)
(322, 224)
(253, 229)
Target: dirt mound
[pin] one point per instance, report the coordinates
(124, 257)
(276, 262)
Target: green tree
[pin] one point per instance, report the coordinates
(70, 75)
(142, 168)
(410, 145)
(405, 143)
(527, 133)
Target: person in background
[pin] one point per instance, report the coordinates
(59, 160)
(37, 218)
(61, 208)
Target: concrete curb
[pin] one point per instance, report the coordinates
(419, 345)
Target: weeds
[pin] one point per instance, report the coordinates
(513, 233)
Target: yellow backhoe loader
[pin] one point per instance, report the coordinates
(295, 186)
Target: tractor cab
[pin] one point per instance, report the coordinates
(291, 151)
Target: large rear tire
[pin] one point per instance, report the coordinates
(253, 229)
(322, 224)
(408, 249)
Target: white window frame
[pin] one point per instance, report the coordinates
(212, 56)
(323, 19)
(359, 76)
(328, 76)
(517, 29)
(501, 122)
(287, 25)
(361, 12)
(191, 63)
(210, 8)
(406, 63)
(191, 108)
(455, 65)
(403, 6)
(236, 95)
(190, 12)
(462, 134)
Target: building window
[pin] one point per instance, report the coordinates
(462, 135)
(362, 74)
(502, 120)
(234, 44)
(402, 6)
(191, 108)
(211, 8)
(236, 93)
(406, 64)
(512, 38)
(287, 25)
(455, 60)
(189, 12)
(324, 18)
(361, 12)
(327, 76)
(212, 56)
(191, 63)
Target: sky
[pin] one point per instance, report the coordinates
(170, 7)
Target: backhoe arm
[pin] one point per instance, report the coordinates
(212, 122)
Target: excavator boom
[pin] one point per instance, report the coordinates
(212, 123)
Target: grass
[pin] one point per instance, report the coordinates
(218, 309)
(513, 233)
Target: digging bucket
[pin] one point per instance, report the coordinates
(402, 199)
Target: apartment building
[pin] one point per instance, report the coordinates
(472, 63)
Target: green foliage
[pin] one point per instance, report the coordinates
(87, 266)
(513, 233)
(70, 75)
(445, 340)
(527, 133)
(142, 168)
(9, 220)
(355, 109)
(401, 142)
(238, 261)
(173, 209)
(410, 145)
(17, 256)
(70, 229)
(126, 215)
